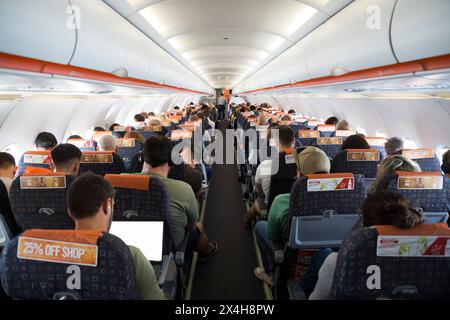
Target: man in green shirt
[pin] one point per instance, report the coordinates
(90, 202)
(310, 160)
(183, 204)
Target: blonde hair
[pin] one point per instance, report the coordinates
(343, 125)
(388, 167)
(134, 135)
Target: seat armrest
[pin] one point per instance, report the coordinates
(180, 251)
(167, 259)
(278, 252)
(295, 290)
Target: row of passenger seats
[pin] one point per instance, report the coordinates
(324, 213)
(38, 206)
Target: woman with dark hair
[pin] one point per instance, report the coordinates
(381, 208)
(355, 141)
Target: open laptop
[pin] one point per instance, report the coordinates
(147, 236)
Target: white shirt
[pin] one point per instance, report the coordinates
(263, 175)
(7, 182)
(322, 291)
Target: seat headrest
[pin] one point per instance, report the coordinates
(180, 135)
(175, 119)
(129, 181)
(41, 157)
(329, 140)
(97, 157)
(419, 180)
(422, 240)
(376, 141)
(81, 143)
(363, 155)
(315, 123)
(330, 182)
(36, 171)
(41, 178)
(421, 153)
(308, 133)
(345, 133)
(326, 127)
(60, 246)
(126, 142)
(153, 128)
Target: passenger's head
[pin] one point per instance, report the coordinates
(74, 137)
(8, 166)
(286, 118)
(66, 158)
(139, 118)
(157, 153)
(98, 129)
(446, 162)
(355, 142)
(291, 112)
(332, 120)
(144, 114)
(393, 146)
(262, 119)
(343, 125)
(134, 135)
(312, 160)
(151, 114)
(388, 167)
(45, 141)
(113, 126)
(389, 208)
(107, 143)
(285, 136)
(90, 202)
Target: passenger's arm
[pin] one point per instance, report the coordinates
(322, 290)
(146, 283)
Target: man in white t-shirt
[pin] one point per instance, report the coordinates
(8, 169)
(264, 172)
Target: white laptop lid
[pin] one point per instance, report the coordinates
(147, 236)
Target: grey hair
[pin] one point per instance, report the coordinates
(107, 143)
(393, 145)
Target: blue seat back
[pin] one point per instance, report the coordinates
(41, 206)
(142, 198)
(401, 270)
(363, 161)
(425, 158)
(101, 266)
(101, 163)
(37, 159)
(127, 149)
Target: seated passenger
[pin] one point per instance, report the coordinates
(113, 126)
(74, 136)
(183, 205)
(332, 120)
(107, 143)
(66, 159)
(343, 125)
(310, 160)
(139, 121)
(388, 167)
(446, 163)
(8, 169)
(393, 146)
(381, 208)
(45, 141)
(291, 112)
(90, 203)
(134, 135)
(98, 129)
(264, 173)
(355, 141)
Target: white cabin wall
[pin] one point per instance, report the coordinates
(425, 121)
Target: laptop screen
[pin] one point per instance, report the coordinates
(147, 236)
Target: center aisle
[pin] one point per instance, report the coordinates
(229, 273)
